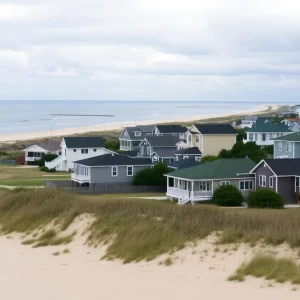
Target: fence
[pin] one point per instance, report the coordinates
(10, 162)
(122, 188)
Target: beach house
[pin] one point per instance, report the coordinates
(77, 148)
(175, 130)
(211, 138)
(131, 137)
(37, 151)
(108, 169)
(198, 183)
(281, 175)
(264, 133)
(187, 153)
(287, 146)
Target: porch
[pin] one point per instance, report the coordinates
(190, 190)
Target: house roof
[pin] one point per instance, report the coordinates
(269, 127)
(131, 133)
(250, 118)
(131, 153)
(50, 145)
(183, 163)
(261, 120)
(215, 128)
(84, 142)
(162, 141)
(283, 167)
(165, 152)
(292, 120)
(218, 169)
(189, 151)
(114, 160)
(146, 128)
(171, 128)
(293, 137)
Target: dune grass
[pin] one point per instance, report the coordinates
(137, 230)
(271, 268)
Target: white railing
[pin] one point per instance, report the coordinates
(31, 158)
(54, 163)
(178, 192)
(202, 194)
(78, 177)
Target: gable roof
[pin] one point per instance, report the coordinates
(50, 145)
(189, 151)
(282, 167)
(162, 141)
(218, 169)
(146, 128)
(114, 160)
(269, 127)
(131, 153)
(165, 152)
(131, 132)
(84, 142)
(293, 137)
(171, 128)
(183, 163)
(261, 120)
(292, 120)
(215, 128)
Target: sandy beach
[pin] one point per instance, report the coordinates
(118, 126)
(34, 274)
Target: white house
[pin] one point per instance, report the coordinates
(37, 151)
(77, 148)
(296, 110)
(248, 121)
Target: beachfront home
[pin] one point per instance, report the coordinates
(37, 151)
(287, 146)
(295, 110)
(131, 137)
(198, 183)
(248, 121)
(281, 175)
(290, 121)
(211, 138)
(77, 148)
(108, 168)
(183, 163)
(187, 153)
(264, 133)
(165, 130)
(161, 147)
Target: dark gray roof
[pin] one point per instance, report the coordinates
(162, 141)
(131, 132)
(131, 153)
(50, 145)
(215, 128)
(189, 151)
(84, 142)
(165, 152)
(171, 128)
(183, 163)
(284, 167)
(146, 128)
(114, 160)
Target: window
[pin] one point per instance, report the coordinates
(271, 181)
(251, 136)
(297, 181)
(255, 137)
(280, 146)
(185, 157)
(95, 150)
(129, 171)
(225, 183)
(84, 151)
(263, 137)
(148, 150)
(114, 171)
(289, 147)
(137, 133)
(197, 138)
(262, 180)
(74, 150)
(204, 186)
(246, 185)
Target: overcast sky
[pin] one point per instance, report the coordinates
(150, 49)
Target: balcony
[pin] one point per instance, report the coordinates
(32, 158)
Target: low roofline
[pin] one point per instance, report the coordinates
(206, 179)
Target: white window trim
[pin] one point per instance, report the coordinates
(244, 189)
(225, 182)
(271, 179)
(279, 146)
(112, 171)
(148, 150)
(287, 149)
(262, 180)
(137, 133)
(131, 172)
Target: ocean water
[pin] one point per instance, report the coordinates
(25, 116)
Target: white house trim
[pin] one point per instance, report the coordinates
(262, 161)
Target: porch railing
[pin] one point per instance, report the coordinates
(203, 193)
(178, 192)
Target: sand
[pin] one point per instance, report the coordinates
(118, 126)
(197, 273)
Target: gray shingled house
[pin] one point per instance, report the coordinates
(281, 175)
(108, 168)
(287, 146)
(165, 130)
(193, 152)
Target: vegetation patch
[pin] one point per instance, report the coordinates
(271, 268)
(227, 195)
(265, 198)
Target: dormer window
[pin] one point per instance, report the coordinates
(137, 133)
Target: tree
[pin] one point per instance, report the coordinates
(265, 198)
(241, 134)
(46, 158)
(152, 176)
(227, 195)
(113, 145)
(208, 158)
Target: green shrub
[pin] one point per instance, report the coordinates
(46, 158)
(208, 158)
(227, 195)
(265, 198)
(52, 170)
(44, 169)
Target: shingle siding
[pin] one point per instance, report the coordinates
(262, 170)
(283, 152)
(286, 188)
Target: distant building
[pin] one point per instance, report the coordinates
(250, 121)
(287, 146)
(295, 110)
(176, 130)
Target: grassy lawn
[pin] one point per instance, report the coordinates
(16, 176)
(129, 196)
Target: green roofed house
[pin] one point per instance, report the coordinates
(199, 183)
(264, 133)
(287, 146)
